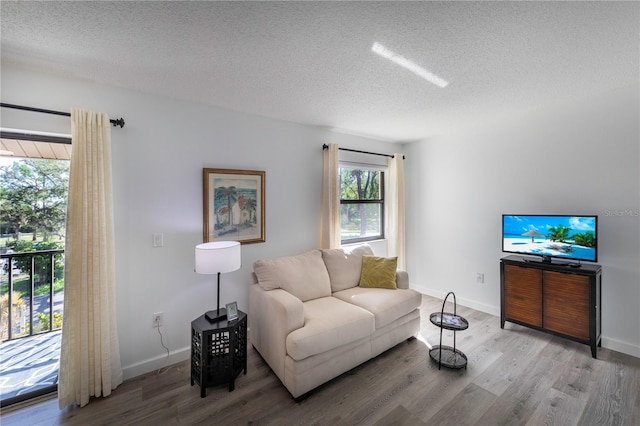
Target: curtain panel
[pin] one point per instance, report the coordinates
(90, 353)
(330, 206)
(395, 232)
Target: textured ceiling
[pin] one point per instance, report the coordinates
(311, 62)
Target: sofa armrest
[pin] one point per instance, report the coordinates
(273, 314)
(402, 279)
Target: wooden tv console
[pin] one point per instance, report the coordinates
(554, 298)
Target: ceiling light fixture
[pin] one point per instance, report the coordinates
(407, 64)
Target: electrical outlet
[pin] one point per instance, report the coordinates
(480, 277)
(158, 319)
(158, 240)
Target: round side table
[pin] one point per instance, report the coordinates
(449, 356)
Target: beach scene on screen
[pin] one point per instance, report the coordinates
(572, 237)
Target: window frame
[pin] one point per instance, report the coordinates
(380, 201)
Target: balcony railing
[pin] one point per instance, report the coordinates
(31, 293)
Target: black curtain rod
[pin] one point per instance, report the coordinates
(117, 122)
(325, 146)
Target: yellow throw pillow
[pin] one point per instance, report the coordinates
(379, 272)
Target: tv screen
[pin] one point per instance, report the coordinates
(573, 238)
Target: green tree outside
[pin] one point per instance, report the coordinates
(34, 194)
(42, 265)
(356, 185)
(33, 200)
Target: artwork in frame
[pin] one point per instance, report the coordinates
(232, 311)
(233, 205)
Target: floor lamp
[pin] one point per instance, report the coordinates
(217, 258)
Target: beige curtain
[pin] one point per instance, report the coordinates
(395, 232)
(90, 354)
(330, 207)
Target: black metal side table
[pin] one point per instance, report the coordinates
(448, 356)
(218, 351)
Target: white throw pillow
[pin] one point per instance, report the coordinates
(305, 276)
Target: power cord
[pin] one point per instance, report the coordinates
(165, 368)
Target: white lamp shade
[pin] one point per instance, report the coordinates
(218, 257)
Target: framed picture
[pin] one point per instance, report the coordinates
(233, 205)
(232, 311)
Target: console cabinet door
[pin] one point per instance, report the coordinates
(523, 295)
(566, 304)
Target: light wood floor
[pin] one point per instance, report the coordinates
(515, 376)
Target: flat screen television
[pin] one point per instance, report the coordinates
(572, 238)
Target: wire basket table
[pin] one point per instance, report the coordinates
(448, 356)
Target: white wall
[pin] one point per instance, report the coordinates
(567, 159)
(577, 159)
(158, 159)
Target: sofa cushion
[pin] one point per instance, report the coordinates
(328, 323)
(304, 276)
(379, 272)
(386, 305)
(345, 265)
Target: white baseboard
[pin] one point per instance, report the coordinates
(155, 363)
(618, 346)
(182, 354)
(613, 344)
(469, 303)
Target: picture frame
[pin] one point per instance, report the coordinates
(234, 205)
(232, 311)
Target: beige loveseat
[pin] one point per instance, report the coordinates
(311, 320)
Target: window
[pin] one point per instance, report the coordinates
(361, 204)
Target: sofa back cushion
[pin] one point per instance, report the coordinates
(345, 266)
(305, 276)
